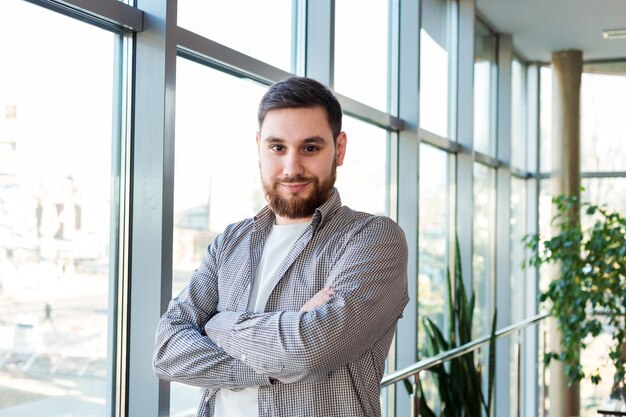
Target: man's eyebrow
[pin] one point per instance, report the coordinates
(315, 139)
(272, 139)
(312, 139)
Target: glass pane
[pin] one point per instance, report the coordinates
(545, 119)
(518, 295)
(602, 125)
(435, 73)
(606, 191)
(217, 178)
(483, 246)
(518, 230)
(519, 152)
(434, 233)
(362, 42)
(261, 29)
(546, 212)
(434, 222)
(485, 73)
(57, 256)
(362, 179)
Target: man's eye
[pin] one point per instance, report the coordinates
(277, 148)
(310, 148)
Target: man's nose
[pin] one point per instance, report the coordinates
(293, 165)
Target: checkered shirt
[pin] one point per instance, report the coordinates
(326, 362)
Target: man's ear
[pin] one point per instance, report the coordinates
(258, 138)
(340, 148)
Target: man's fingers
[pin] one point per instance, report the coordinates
(318, 299)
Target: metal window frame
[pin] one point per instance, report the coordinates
(108, 14)
(152, 203)
(407, 106)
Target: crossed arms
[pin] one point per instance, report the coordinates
(200, 346)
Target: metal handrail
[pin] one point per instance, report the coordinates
(456, 352)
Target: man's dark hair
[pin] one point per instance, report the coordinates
(302, 92)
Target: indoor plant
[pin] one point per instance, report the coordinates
(459, 381)
(589, 293)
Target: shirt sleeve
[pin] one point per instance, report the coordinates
(183, 352)
(370, 279)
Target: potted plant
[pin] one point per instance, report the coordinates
(589, 293)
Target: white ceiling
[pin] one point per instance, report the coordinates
(539, 27)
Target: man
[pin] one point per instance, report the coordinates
(291, 313)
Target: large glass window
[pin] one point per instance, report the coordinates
(362, 180)
(519, 151)
(434, 234)
(436, 50)
(361, 27)
(518, 230)
(602, 125)
(58, 242)
(545, 119)
(434, 243)
(485, 79)
(262, 29)
(483, 261)
(518, 294)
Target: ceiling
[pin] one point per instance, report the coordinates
(539, 27)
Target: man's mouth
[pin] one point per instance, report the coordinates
(294, 187)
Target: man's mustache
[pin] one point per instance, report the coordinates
(294, 179)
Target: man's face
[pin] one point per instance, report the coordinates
(298, 160)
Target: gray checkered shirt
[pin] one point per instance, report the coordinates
(326, 362)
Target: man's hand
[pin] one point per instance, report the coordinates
(318, 299)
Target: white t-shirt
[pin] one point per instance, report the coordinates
(245, 403)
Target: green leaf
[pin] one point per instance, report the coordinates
(408, 386)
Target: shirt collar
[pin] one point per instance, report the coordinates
(266, 217)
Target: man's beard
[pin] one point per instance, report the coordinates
(295, 206)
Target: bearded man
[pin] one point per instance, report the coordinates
(292, 312)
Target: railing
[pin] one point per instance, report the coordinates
(424, 364)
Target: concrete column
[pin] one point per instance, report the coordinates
(566, 74)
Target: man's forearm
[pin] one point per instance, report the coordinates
(185, 355)
(218, 330)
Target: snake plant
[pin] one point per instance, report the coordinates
(459, 381)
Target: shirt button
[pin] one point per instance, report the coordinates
(243, 357)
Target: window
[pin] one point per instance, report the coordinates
(58, 214)
(434, 228)
(602, 125)
(485, 79)
(434, 242)
(602, 144)
(362, 27)
(437, 70)
(545, 119)
(483, 261)
(518, 115)
(262, 29)
(362, 180)
(518, 294)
